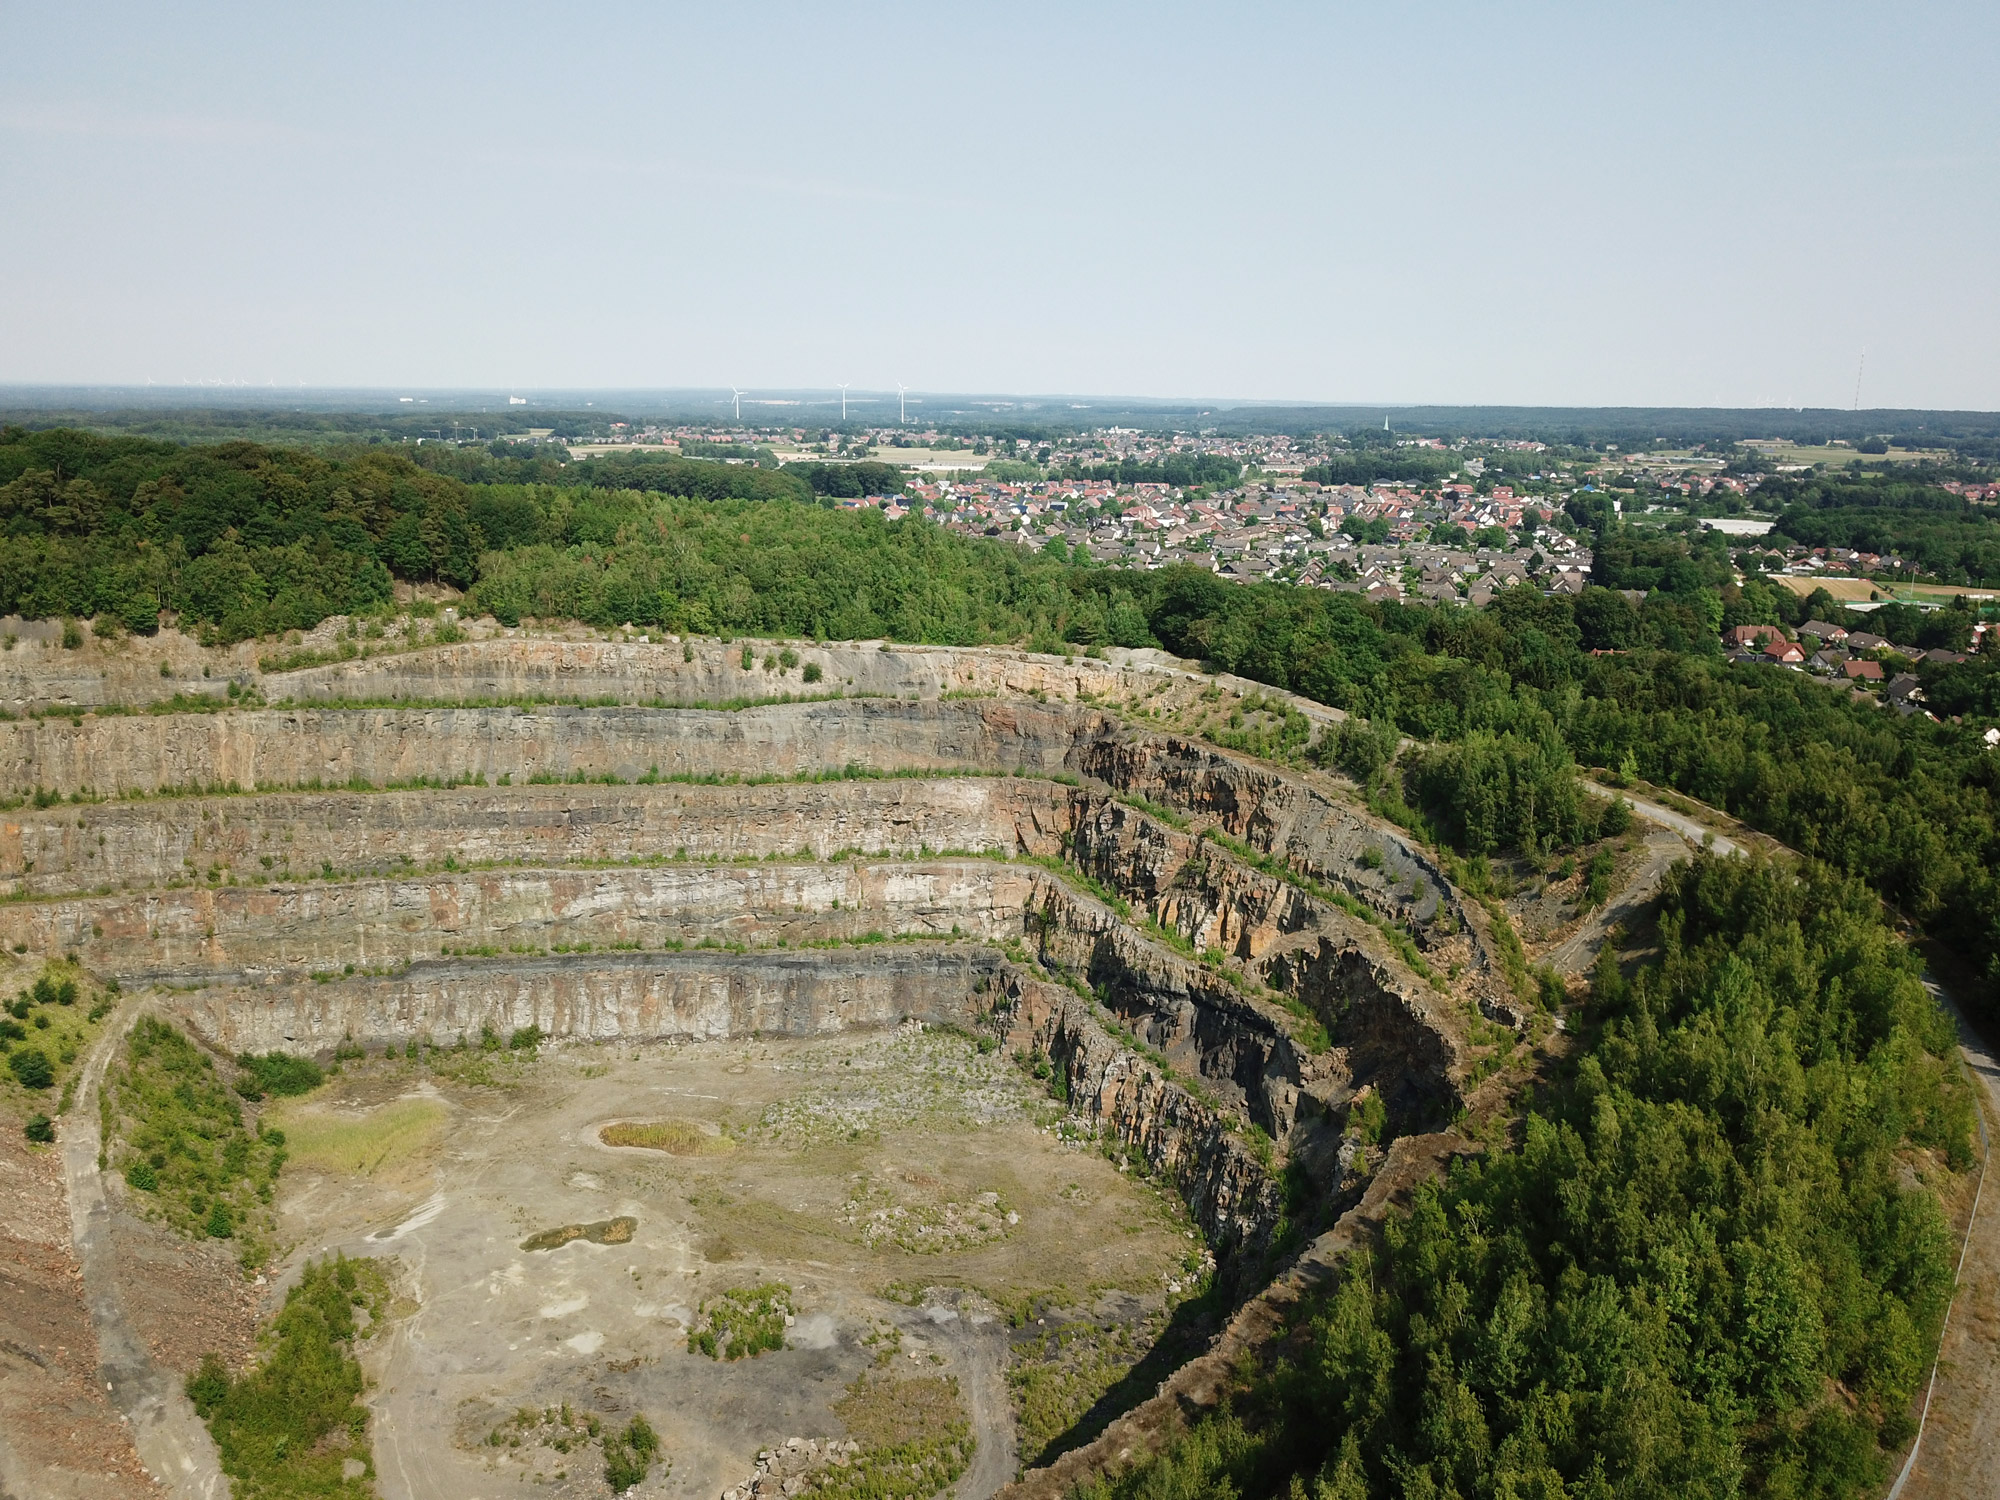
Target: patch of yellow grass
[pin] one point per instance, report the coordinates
(675, 1137)
(366, 1143)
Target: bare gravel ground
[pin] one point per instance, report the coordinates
(905, 1187)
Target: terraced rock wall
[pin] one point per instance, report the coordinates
(289, 836)
(37, 675)
(1300, 827)
(292, 748)
(189, 935)
(628, 997)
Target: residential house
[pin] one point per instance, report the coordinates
(1820, 630)
(1753, 636)
(1861, 671)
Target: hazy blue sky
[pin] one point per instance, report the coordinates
(1575, 203)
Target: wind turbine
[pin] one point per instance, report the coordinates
(738, 396)
(843, 402)
(901, 417)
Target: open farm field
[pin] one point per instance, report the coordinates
(1867, 588)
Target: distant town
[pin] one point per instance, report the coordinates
(1489, 515)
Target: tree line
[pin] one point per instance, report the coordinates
(1945, 535)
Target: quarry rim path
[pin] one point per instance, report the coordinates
(1956, 1451)
(172, 1441)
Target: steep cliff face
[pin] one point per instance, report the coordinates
(1123, 1095)
(1286, 819)
(61, 850)
(1404, 1041)
(601, 996)
(512, 665)
(1192, 1015)
(1389, 1029)
(281, 748)
(296, 929)
(40, 676)
(1187, 884)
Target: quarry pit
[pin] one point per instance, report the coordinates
(1018, 1033)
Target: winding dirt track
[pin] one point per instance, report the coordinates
(1958, 1450)
(172, 1442)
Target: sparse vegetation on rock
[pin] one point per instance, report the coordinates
(742, 1322)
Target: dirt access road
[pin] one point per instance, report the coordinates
(1957, 1453)
(172, 1442)
(1667, 841)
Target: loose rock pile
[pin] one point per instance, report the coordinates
(788, 1469)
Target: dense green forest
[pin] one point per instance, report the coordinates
(1415, 465)
(1183, 470)
(1948, 537)
(1698, 1274)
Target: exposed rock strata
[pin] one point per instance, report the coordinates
(180, 935)
(40, 676)
(129, 844)
(1389, 1028)
(629, 997)
(293, 748)
(1197, 1147)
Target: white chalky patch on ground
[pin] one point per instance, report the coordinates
(565, 1307)
(814, 1331)
(587, 1342)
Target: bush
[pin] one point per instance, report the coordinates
(741, 1322)
(813, 672)
(525, 1038)
(1357, 747)
(40, 1129)
(1615, 819)
(288, 1427)
(32, 1068)
(173, 1120)
(277, 1073)
(628, 1455)
(208, 1387)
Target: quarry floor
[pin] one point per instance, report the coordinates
(912, 1191)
